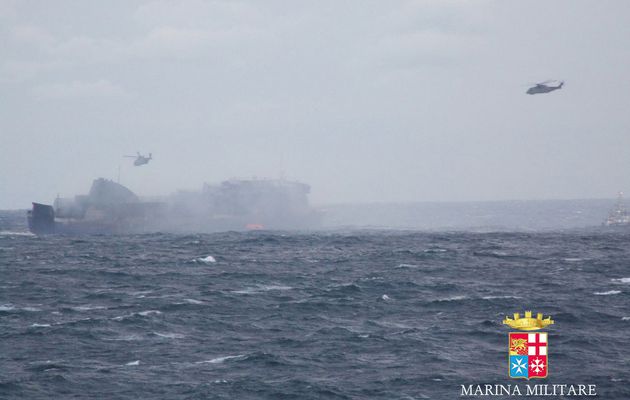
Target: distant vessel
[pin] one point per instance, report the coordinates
(618, 216)
(238, 204)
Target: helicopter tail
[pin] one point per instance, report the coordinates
(561, 84)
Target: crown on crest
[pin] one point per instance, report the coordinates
(528, 323)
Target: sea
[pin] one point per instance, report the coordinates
(335, 314)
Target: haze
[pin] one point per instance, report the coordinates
(367, 101)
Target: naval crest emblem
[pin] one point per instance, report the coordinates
(528, 355)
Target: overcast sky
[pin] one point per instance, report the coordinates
(365, 100)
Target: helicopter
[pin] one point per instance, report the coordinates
(140, 159)
(542, 87)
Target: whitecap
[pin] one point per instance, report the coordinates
(142, 313)
(261, 288)
(7, 307)
(87, 308)
(572, 259)
(149, 312)
(137, 362)
(141, 293)
(40, 325)
(169, 335)
(205, 260)
(610, 292)
(15, 233)
(372, 278)
(396, 325)
(621, 280)
(407, 266)
(453, 298)
(435, 250)
(275, 287)
(625, 318)
(500, 297)
(385, 297)
(245, 291)
(125, 338)
(31, 309)
(220, 360)
(193, 301)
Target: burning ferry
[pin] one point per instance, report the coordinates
(233, 205)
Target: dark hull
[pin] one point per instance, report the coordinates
(41, 219)
(236, 205)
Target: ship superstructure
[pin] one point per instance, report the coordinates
(618, 216)
(237, 204)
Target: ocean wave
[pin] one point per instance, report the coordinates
(621, 280)
(344, 287)
(87, 308)
(11, 307)
(133, 363)
(125, 338)
(502, 255)
(261, 289)
(407, 266)
(170, 335)
(372, 278)
(608, 293)
(452, 298)
(205, 260)
(40, 325)
(435, 250)
(139, 294)
(296, 316)
(48, 365)
(141, 313)
(15, 233)
(149, 312)
(220, 360)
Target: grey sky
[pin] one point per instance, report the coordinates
(364, 100)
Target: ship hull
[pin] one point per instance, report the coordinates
(237, 205)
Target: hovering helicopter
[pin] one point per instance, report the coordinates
(542, 87)
(140, 159)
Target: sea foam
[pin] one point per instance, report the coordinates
(205, 260)
(220, 360)
(608, 293)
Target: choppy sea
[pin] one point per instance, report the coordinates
(332, 315)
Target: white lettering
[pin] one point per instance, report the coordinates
(491, 390)
(516, 391)
(533, 390)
